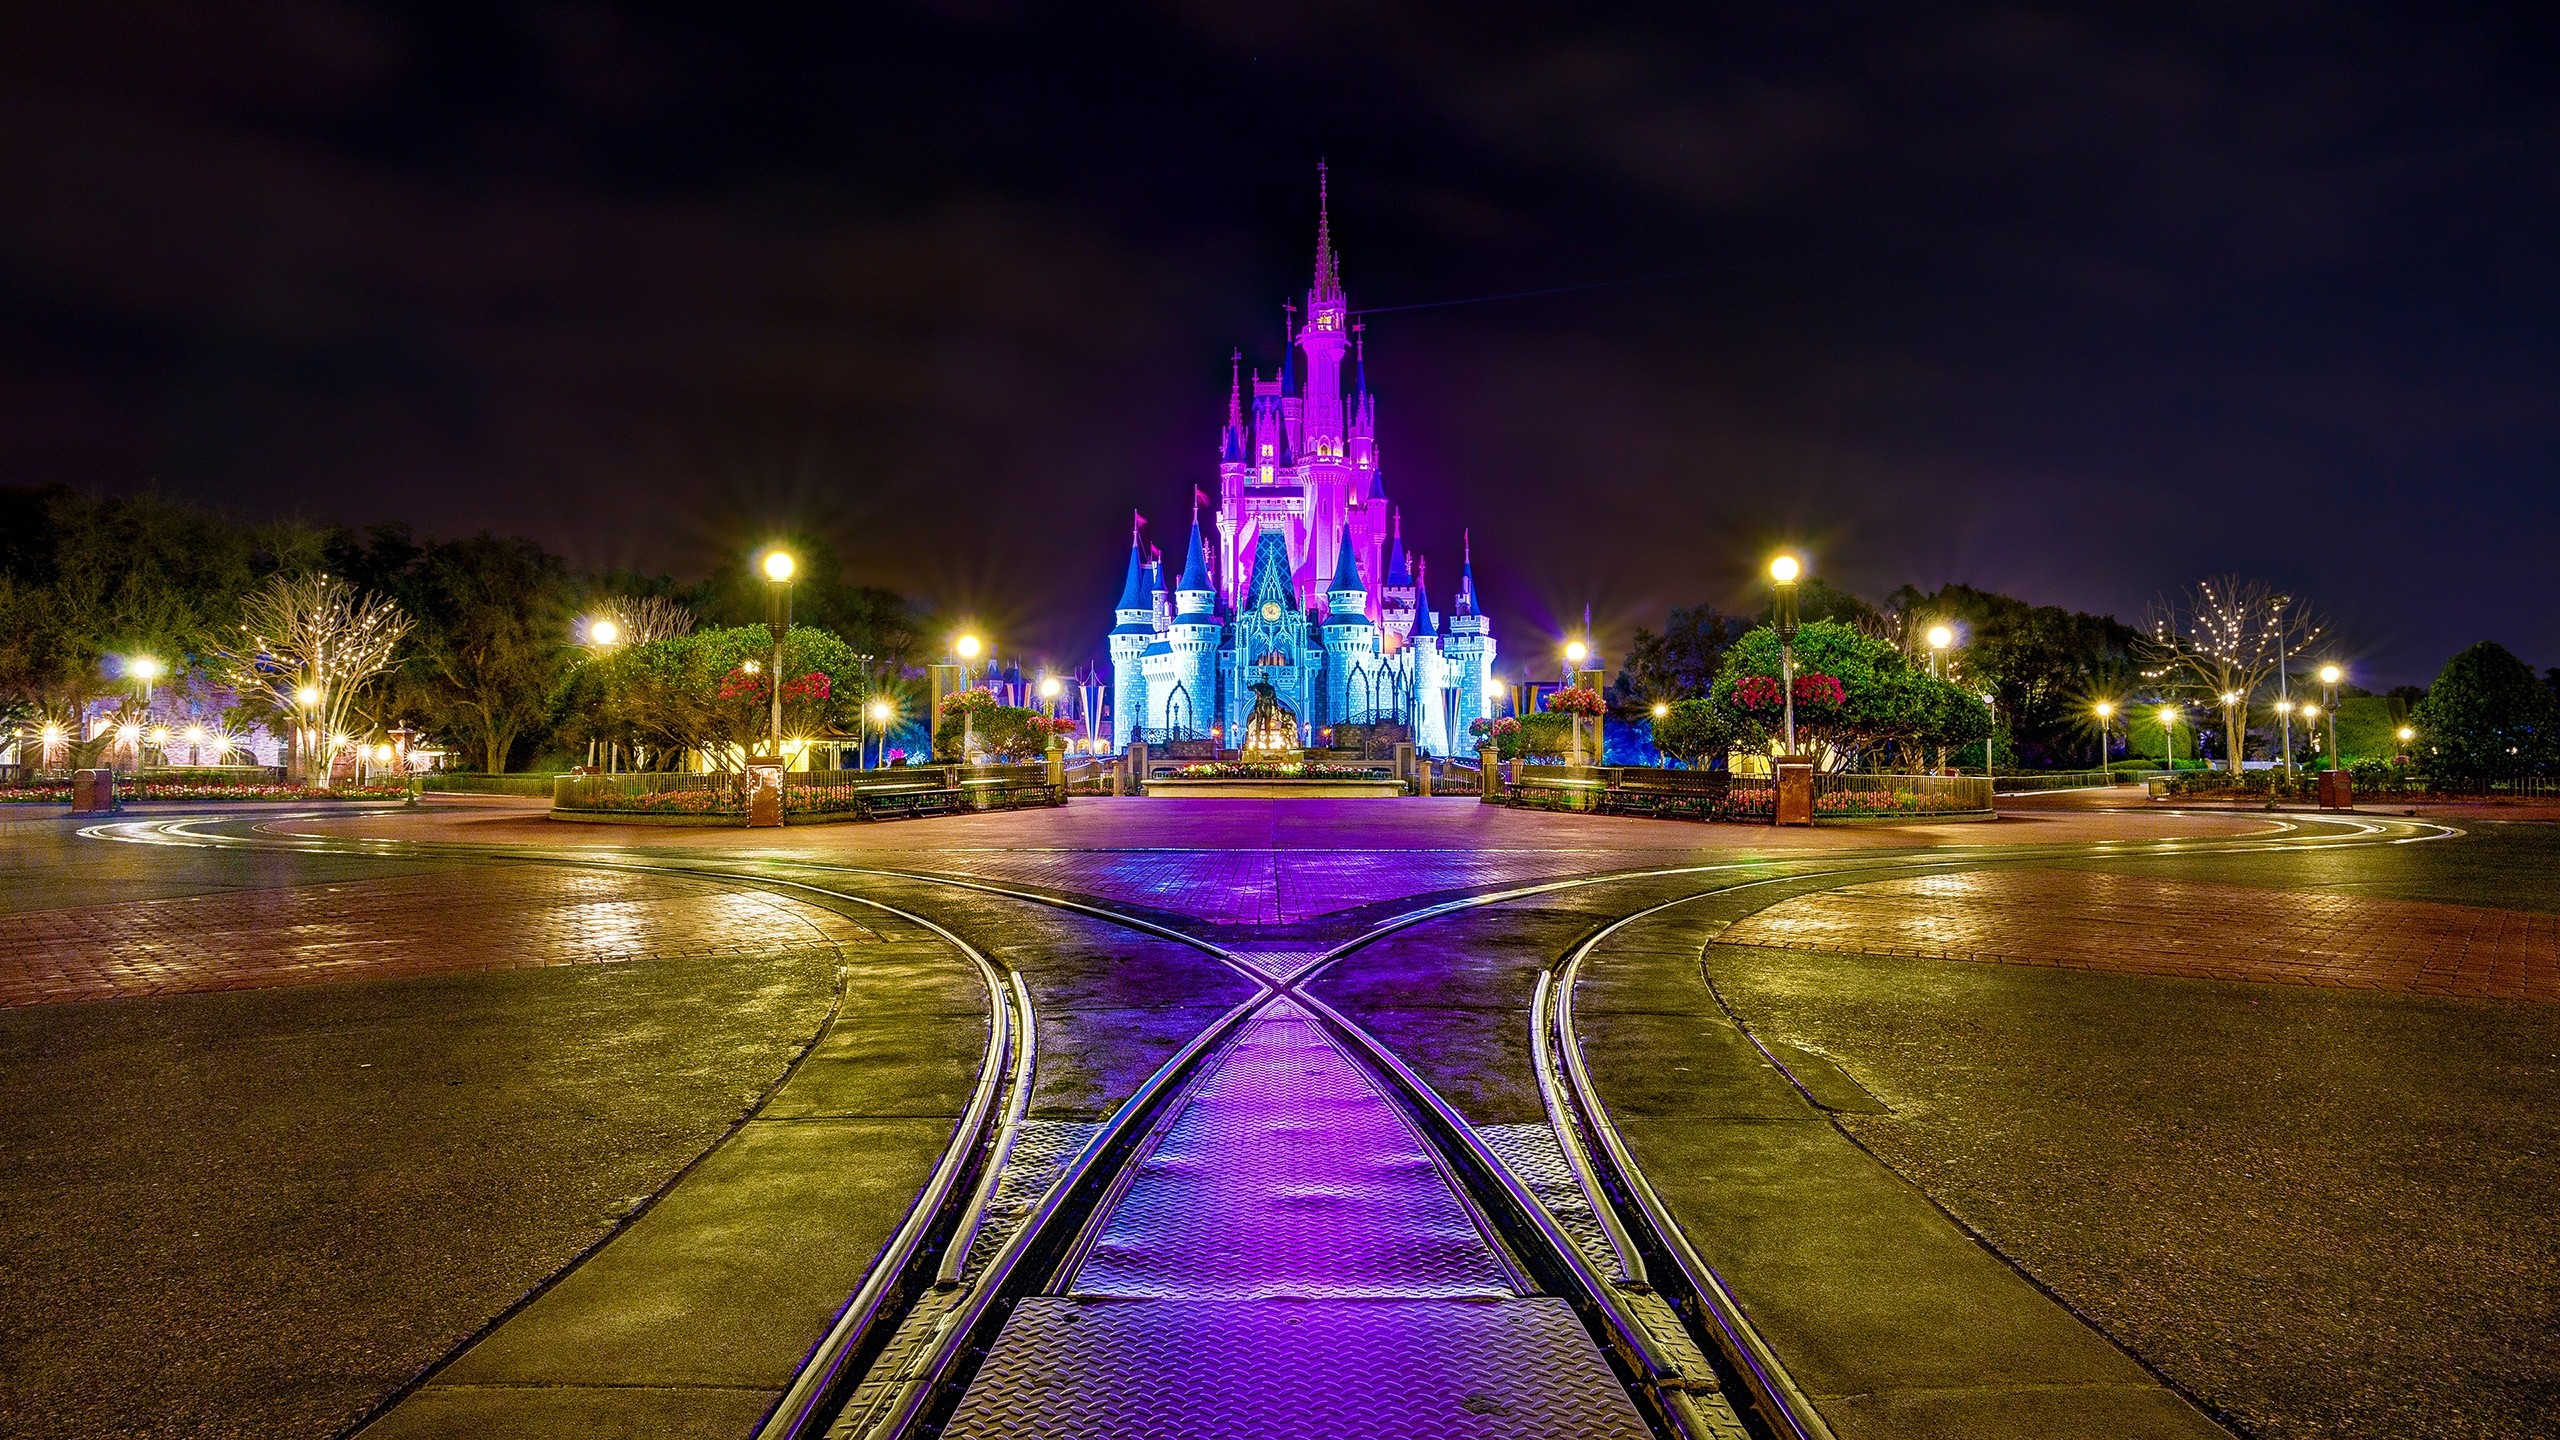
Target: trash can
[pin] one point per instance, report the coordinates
(93, 792)
(2337, 790)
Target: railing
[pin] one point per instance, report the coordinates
(1861, 797)
(1643, 790)
(650, 792)
(2027, 782)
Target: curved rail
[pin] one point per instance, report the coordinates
(1634, 1220)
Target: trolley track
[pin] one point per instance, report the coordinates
(903, 1352)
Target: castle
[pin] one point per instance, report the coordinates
(1305, 584)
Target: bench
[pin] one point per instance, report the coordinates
(1690, 795)
(892, 802)
(1562, 790)
(1012, 794)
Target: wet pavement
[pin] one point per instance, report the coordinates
(1279, 1237)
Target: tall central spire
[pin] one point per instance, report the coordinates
(1328, 269)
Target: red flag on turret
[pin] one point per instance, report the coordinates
(1199, 501)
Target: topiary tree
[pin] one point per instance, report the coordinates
(2487, 715)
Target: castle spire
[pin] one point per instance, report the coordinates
(1328, 268)
(1466, 602)
(1231, 442)
(1360, 359)
(1135, 593)
(1195, 565)
(1397, 572)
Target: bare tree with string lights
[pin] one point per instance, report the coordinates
(645, 618)
(307, 647)
(2220, 639)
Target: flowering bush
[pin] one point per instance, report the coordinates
(1820, 694)
(1883, 802)
(1502, 729)
(1759, 695)
(1575, 700)
(963, 704)
(210, 790)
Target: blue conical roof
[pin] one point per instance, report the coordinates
(1134, 593)
(1398, 573)
(1346, 566)
(1195, 566)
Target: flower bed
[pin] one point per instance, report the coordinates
(182, 790)
(1273, 770)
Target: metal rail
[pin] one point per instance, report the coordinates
(1633, 1217)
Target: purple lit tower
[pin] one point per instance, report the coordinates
(1303, 581)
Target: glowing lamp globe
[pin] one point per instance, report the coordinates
(880, 711)
(1784, 569)
(2407, 734)
(1049, 687)
(1660, 710)
(778, 566)
(1940, 637)
(1575, 651)
(2105, 709)
(309, 695)
(604, 632)
(144, 668)
(968, 646)
(2329, 674)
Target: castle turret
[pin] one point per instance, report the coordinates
(1134, 629)
(1468, 649)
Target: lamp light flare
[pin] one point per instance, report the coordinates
(880, 711)
(1576, 651)
(968, 646)
(308, 695)
(2105, 709)
(1049, 687)
(1785, 569)
(2331, 674)
(778, 566)
(1940, 637)
(1660, 710)
(604, 632)
(2407, 734)
(143, 668)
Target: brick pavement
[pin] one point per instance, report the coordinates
(2095, 921)
(466, 919)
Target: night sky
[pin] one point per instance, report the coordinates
(2079, 305)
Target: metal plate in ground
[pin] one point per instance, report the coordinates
(1068, 1368)
(1287, 1174)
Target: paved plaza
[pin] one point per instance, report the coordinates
(2104, 1118)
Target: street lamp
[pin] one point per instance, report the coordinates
(2330, 675)
(146, 670)
(1939, 637)
(1661, 709)
(2407, 734)
(2311, 716)
(603, 633)
(968, 646)
(2106, 709)
(2169, 738)
(778, 566)
(1782, 577)
(878, 713)
(1575, 652)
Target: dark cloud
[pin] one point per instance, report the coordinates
(2077, 303)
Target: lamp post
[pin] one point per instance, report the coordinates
(877, 713)
(778, 566)
(2311, 717)
(1782, 577)
(1574, 653)
(967, 647)
(1991, 703)
(603, 633)
(2330, 675)
(2406, 734)
(307, 737)
(2169, 738)
(2104, 709)
(1939, 638)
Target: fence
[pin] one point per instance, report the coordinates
(1863, 797)
(1643, 790)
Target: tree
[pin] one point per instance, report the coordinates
(2047, 665)
(2219, 640)
(493, 639)
(1695, 733)
(698, 692)
(1855, 694)
(306, 649)
(1678, 663)
(2487, 716)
